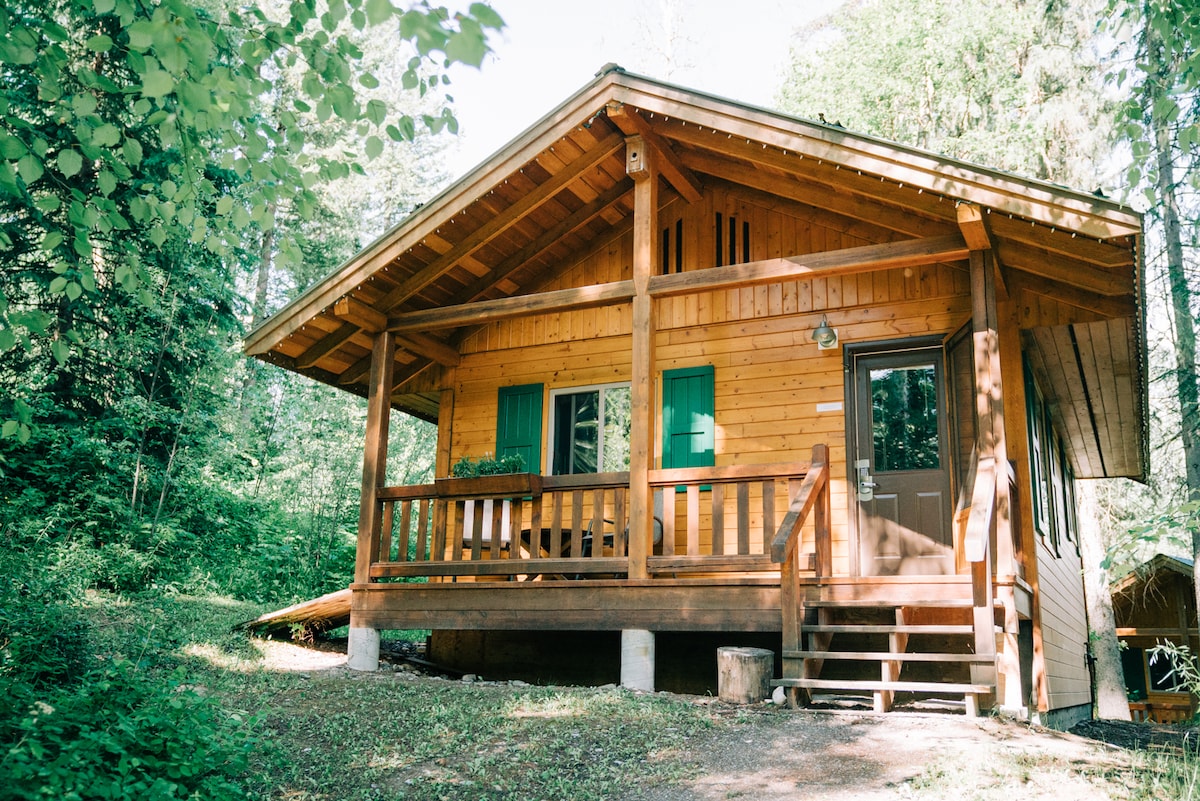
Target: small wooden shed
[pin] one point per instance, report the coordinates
(766, 375)
(1156, 603)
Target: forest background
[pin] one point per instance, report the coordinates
(172, 173)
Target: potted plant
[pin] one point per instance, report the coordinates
(502, 476)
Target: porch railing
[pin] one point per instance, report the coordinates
(526, 526)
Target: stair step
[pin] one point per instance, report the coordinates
(887, 656)
(888, 628)
(876, 686)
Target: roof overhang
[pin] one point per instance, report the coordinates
(560, 187)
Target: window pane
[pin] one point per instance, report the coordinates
(576, 432)
(616, 429)
(904, 421)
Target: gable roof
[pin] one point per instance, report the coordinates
(1150, 570)
(505, 228)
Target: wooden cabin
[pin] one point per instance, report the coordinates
(765, 375)
(1152, 604)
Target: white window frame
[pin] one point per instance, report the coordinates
(551, 431)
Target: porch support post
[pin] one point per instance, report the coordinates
(990, 413)
(441, 466)
(362, 650)
(637, 659)
(639, 166)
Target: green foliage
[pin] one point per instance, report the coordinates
(488, 466)
(125, 734)
(1184, 671)
(44, 642)
(128, 128)
(1009, 84)
(1175, 528)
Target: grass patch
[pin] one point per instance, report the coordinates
(380, 735)
(344, 735)
(1166, 773)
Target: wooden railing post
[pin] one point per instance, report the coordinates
(822, 513)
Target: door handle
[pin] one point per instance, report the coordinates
(866, 486)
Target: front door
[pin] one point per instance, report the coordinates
(899, 467)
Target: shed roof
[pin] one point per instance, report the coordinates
(506, 227)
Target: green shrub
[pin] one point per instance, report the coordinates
(488, 466)
(125, 735)
(44, 640)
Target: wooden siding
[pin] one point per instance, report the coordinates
(770, 377)
(1064, 626)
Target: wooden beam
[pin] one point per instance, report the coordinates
(374, 455)
(352, 310)
(501, 222)
(641, 165)
(914, 223)
(806, 211)
(355, 372)
(326, 345)
(906, 253)
(547, 240)
(1112, 282)
(487, 311)
(430, 348)
(670, 167)
(1107, 306)
(902, 166)
(1100, 254)
(974, 228)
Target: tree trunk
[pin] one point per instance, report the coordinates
(1112, 703)
(1183, 323)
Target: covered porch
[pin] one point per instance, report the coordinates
(731, 549)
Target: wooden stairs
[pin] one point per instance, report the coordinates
(884, 648)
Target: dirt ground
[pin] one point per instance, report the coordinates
(840, 754)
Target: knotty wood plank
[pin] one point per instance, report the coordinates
(326, 345)
(905, 253)
(743, 517)
(556, 520)
(734, 563)
(442, 509)
(405, 532)
(768, 514)
(693, 520)
(482, 311)
(717, 497)
(385, 531)
(577, 524)
(500, 567)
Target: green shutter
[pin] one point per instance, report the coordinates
(689, 428)
(519, 424)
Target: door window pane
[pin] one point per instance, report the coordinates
(904, 421)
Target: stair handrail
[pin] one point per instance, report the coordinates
(983, 506)
(814, 489)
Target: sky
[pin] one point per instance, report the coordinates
(733, 48)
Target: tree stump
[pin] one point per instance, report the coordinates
(744, 674)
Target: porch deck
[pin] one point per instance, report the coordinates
(746, 548)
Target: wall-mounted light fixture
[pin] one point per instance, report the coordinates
(825, 337)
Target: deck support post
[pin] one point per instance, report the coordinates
(637, 659)
(640, 167)
(362, 649)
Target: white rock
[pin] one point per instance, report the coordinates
(469, 678)
(779, 697)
